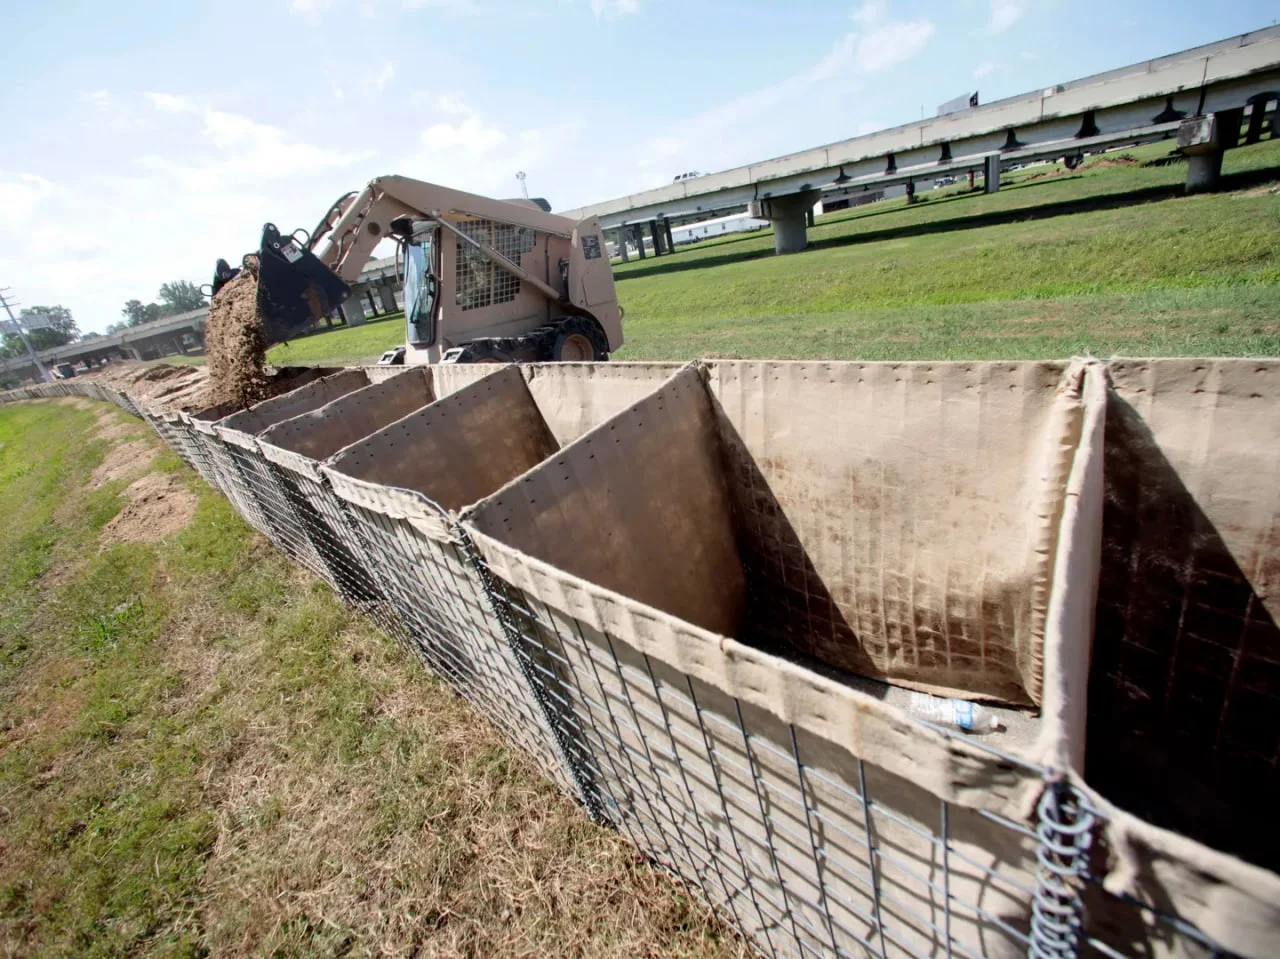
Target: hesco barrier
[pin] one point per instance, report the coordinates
(700, 597)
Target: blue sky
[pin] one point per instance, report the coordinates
(144, 140)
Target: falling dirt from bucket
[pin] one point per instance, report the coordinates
(235, 343)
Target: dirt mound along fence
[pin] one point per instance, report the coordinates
(702, 597)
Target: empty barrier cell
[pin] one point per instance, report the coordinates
(297, 446)
(205, 441)
(399, 485)
(810, 813)
(273, 499)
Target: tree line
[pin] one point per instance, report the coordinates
(180, 296)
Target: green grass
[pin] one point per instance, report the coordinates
(342, 347)
(1110, 258)
(204, 753)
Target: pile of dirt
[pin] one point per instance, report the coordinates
(235, 343)
(122, 460)
(159, 506)
(159, 386)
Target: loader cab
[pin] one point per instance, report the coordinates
(421, 283)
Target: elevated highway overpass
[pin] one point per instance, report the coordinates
(1211, 98)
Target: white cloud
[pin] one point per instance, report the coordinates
(982, 69)
(1028, 55)
(468, 151)
(1004, 14)
(893, 43)
(22, 193)
(214, 175)
(168, 103)
(385, 76)
(871, 12)
(454, 6)
(97, 98)
(310, 9)
(471, 136)
(613, 9)
(448, 103)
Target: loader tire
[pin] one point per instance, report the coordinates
(579, 339)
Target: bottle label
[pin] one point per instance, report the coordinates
(963, 714)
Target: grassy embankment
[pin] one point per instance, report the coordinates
(1110, 258)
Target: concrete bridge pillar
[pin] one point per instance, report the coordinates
(992, 174)
(666, 231)
(622, 244)
(1203, 170)
(387, 294)
(790, 218)
(353, 309)
(638, 231)
(1203, 140)
(657, 238)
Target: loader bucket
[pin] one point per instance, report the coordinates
(294, 287)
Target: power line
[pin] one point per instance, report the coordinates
(14, 326)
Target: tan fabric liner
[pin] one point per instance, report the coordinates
(1184, 694)
(322, 432)
(460, 448)
(639, 506)
(301, 400)
(861, 724)
(898, 518)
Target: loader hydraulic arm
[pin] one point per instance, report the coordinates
(367, 220)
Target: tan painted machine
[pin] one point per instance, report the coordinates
(484, 280)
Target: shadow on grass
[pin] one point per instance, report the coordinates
(674, 263)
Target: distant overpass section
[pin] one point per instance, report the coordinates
(1204, 97)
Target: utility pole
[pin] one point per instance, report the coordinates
(13, 326)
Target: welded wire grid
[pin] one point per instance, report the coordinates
(192, 454)
(232, 481)
(172, 432)
(200, 459)
(442, 602)
(328, 524)
(153, 420)
(806, 852)
(283, 526)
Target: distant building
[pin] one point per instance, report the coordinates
(966, 101)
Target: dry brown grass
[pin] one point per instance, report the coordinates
(205, 754)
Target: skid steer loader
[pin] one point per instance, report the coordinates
(484, 280)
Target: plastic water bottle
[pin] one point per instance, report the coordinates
(957, 713)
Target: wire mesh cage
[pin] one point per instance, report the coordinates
(813, 812)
